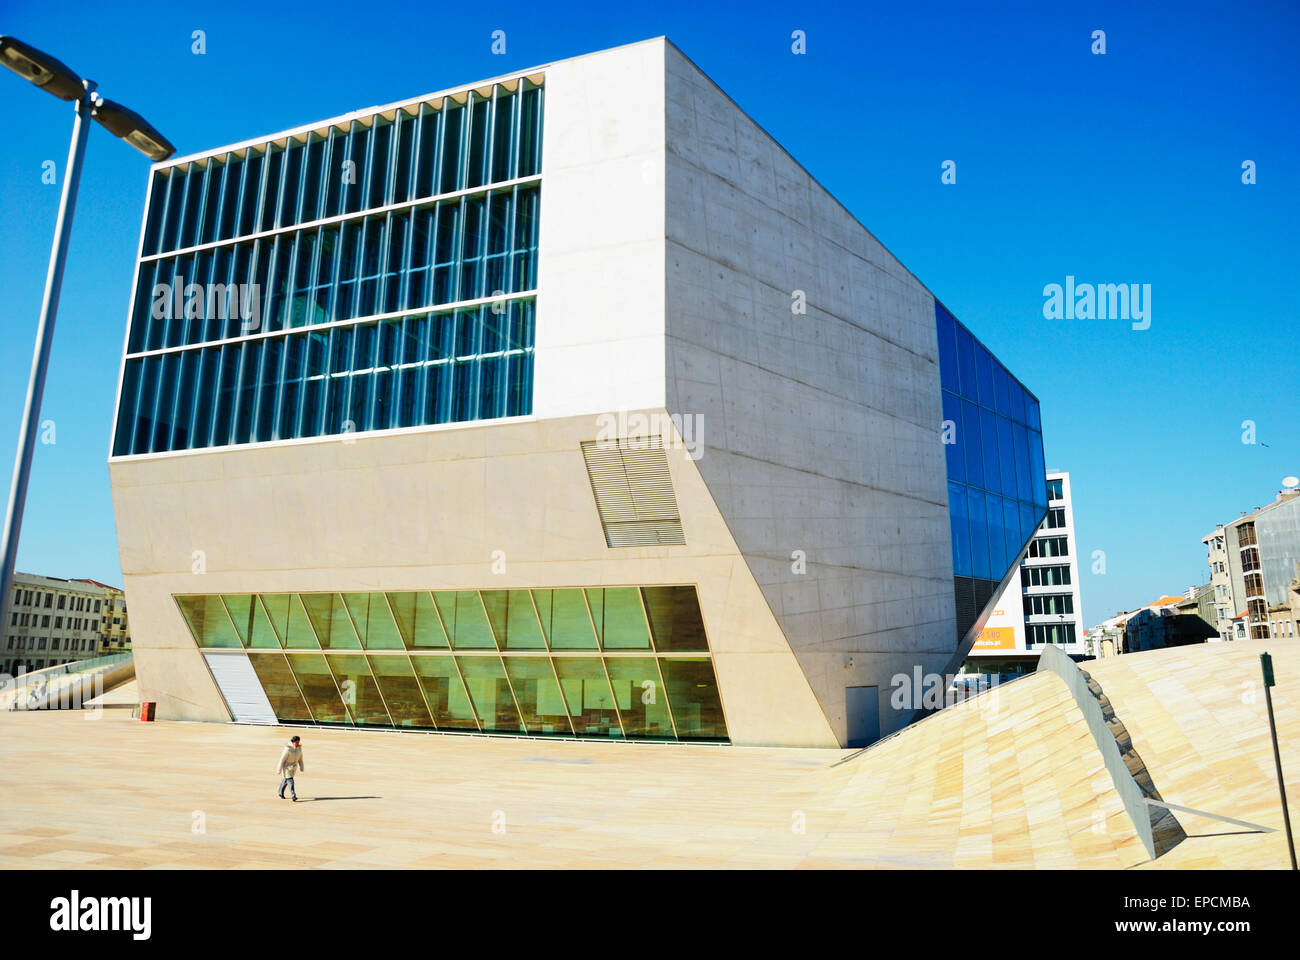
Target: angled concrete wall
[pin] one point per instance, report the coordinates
(820, 430)
(425, 510)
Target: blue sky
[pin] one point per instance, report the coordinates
(1117, 168)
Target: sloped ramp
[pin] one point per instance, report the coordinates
(1010, 778)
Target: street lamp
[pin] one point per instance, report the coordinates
(57, 78)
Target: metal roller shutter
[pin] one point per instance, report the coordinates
(239, 685)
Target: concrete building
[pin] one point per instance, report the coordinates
(1040, 603)
(1165, 624)
(611, 425)
(114, 625)
(1252, 562)
(53, 621)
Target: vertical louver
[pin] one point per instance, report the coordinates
(634, 493)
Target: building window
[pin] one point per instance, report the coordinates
(1040, 633)
(1047, 576)
(1055, 489)
(566, 662)
(1049, 547)
(1050, 603)
(997, 489)
(432, 363)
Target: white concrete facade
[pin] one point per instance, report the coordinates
(675, 235)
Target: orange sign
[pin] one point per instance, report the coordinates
(996, 638)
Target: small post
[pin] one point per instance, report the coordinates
(1266, 662)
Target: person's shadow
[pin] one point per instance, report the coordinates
(314, 799)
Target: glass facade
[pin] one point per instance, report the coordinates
(997, 486)
(373, 274)
(608, 662)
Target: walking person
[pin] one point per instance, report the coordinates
(290, 759)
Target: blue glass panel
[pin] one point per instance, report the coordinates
(1001, 390)
(314, 385)
(984, 374)
(157, 206)
(126, 407)
(989, 444)
(530, 150)
(969, 438)
(227, 395)
(1036, 471)
(148, 396)
(966, 363)
(999, 562)
(250, 368)
(384, 403)
(270, 381)
(403, 150)
(1029, 520)
(1024, 479)
(1017, 401)
(332, 173)
(250, 191)
(185, 396)
(453, 122)
(1031, 413)
(143, 309)
(947, 349)
(979, 533)
(1007, 455)
(959, 520)
(1011, 529)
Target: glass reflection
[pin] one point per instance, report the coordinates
(640, 696)
(485, 678)
(643, 696)
(675, 619)
(538, 694)
(588, 695)
(318, 687)
(401, 691)
(445, 692)
(208, 621)
(330, 620)
(280, 687)
(693, 694)
(358, 689)
(565, 619)
(619, 620)
(513, 619)
(417, 620)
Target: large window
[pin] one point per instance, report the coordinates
(620, 662)
(997, 487)
(1049, 603)
(419, 224)
(1046, 576)
(1039, 633)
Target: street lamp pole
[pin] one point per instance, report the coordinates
(41, 355)
(56, 78)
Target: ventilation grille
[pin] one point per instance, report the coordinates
(973, 595)
(634, 494)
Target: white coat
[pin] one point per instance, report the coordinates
(291, 758)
